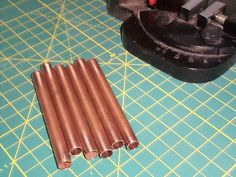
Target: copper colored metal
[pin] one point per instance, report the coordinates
(61, 107)
(104, 113)
(93, 121)
(51, 120)
(89, 148)
(127, 133)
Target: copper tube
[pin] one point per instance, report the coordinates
(51, 121)
(61, 107)
(95, 125)
(127, 133)
(89, 148)
(104, 113)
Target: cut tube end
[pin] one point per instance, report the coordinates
(46, 66)
(37, 77)
(36, 73)
(64, 165)
(58, 66)
(80, 62)
(132, 145)
(75, 151)
(92, 60)
(118, 144)
(91, 155)
(105, 154)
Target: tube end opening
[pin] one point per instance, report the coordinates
(59, 66)
(46, 66)
(118, 144)
(79, 62)
(35, 73)
(75, 151)
(36, 77)
(106, 153)
(91, 155)
(64, 165)
(92, 60)
(132, 145)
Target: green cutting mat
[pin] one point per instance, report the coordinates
(184, 129)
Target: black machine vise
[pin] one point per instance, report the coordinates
(191, 40)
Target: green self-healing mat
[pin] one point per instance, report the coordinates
(184, 129)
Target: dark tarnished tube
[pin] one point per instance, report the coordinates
(127, 133)
(51, 121)
(61, 107)
(104, 113)
(89, 148)
(95, 125)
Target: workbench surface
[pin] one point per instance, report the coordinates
(184, 129)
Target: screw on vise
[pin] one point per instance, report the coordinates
(229, 23)
(209, 13)
(215, 13)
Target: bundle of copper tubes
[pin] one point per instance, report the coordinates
(81, 112)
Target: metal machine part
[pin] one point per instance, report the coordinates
(192, 40)
(206, 15)
(229, 24)
(189, 9)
